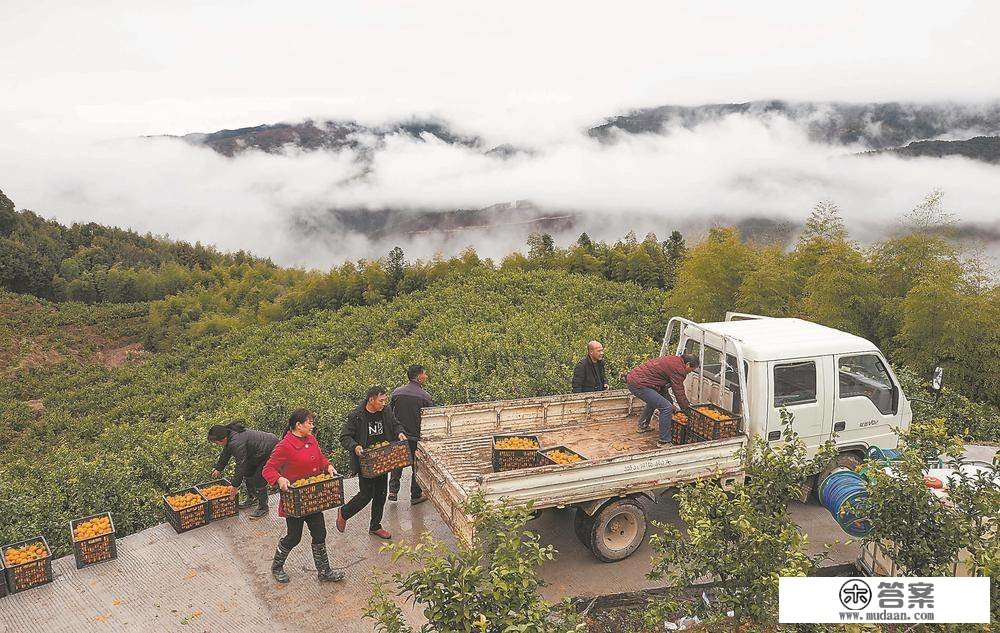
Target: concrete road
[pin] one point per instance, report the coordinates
(217, 578)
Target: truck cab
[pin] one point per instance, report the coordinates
(837, 385)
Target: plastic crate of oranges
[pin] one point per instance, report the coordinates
(313, 494)
(513, 452)
(712, 422)
(28, 563)
(221, 500)
(186, 509)
(678, 428)
(380, 458)
(93, 539)
(560, 455)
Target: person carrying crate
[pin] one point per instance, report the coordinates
(407, 402)
(372, 422)
(251, 449)
(297, 455)
(646, 381)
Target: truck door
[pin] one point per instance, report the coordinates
(867, 405)
(800, 386)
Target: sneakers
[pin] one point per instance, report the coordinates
(664, 443)
(381, 533)
(341, 522)
(417, 500)
(246, 503)
(643, 427)
(393, 496)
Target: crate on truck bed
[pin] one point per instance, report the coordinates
(712, 422)
(513, 452)
(559, 455)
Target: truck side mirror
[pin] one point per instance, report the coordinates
(938, 381)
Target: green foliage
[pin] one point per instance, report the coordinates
(93, 263)
(485, 336)
(969, 420)
(490, 586)
(745, 540)
(925, 534)
(710, 276)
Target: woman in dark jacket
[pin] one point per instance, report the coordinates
(251, 450)
(297, 455)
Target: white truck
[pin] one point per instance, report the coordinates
(835, 384)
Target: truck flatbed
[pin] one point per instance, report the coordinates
(454, 457)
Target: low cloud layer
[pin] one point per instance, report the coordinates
(736, 167)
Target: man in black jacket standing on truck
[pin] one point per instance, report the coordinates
(588, 375)
(407, 402)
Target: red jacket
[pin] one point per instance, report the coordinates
(294, 458)
(661, 372)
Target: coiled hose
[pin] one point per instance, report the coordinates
(841, 493)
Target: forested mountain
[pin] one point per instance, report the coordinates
(322, 135)
(984, 148)
(872, 125)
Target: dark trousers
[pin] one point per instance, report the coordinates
(371, 490)
(397, 474)
(256, 484)
(317, 529)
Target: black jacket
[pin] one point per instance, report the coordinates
(250, 448)
(407, 402)
(589, 376)
(357, 433)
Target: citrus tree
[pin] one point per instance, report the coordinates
(743, 540)
(490, 586)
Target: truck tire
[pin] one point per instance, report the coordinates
(583, 523)
(617, 530)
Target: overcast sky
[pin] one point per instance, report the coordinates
(81, 81)
(136, 67)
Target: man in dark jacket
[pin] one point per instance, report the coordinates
(588, 375)
(372, 422)
(251, 449)
(407, 402)
(648, 379)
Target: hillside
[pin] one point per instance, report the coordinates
(322, 135)
(117, 437)
(984, 148)
(105, 405)
(872, 125)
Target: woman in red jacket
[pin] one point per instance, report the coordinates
(297, 455)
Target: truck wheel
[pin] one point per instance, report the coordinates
(582, 525)
(617, 530)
